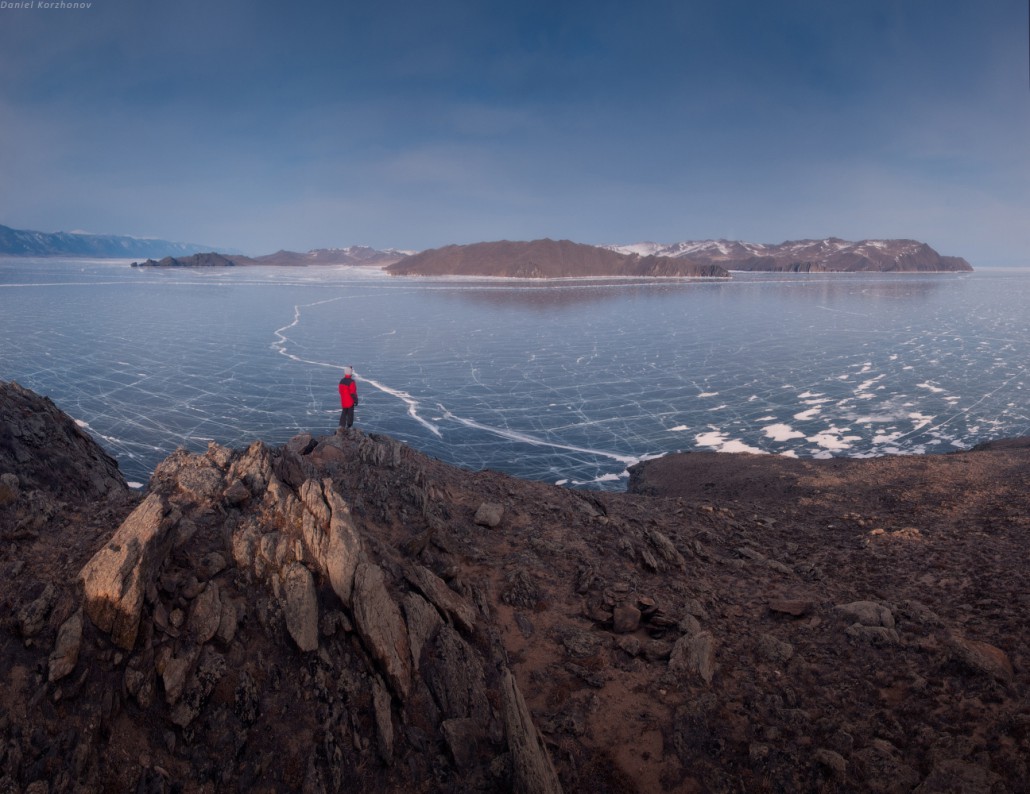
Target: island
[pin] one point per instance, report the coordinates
(547, 259)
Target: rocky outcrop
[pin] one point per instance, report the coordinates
(209, 259)
(43, 450)
(120, 574)
(332, 615)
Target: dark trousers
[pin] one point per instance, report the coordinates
(347, 418)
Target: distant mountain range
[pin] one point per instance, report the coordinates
(22, 242)
(831, 255)
(535, 259)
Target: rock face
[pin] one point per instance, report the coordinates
(119, 575)
(330, 615)
(209, 259)
(43, 449)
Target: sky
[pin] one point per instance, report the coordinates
(255, 125)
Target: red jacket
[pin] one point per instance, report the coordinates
(348, 391)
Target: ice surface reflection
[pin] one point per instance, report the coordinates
(566, 382)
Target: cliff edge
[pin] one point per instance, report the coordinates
(343, 612)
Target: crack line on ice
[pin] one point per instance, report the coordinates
(403, 396)
(513, 435)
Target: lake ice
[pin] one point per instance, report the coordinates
(566, 382)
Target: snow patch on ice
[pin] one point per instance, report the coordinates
(781, 432)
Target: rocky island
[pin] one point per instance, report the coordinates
(344, 613)
(354, 255)
(831, 255)
(546, 259)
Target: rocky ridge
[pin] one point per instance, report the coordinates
(831, 255)
(343, 612)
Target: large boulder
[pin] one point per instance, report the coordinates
(381, 626)
(118, 576)
(301, 607)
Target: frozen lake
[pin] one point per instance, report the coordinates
(565, 382)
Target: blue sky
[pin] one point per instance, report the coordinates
(261, 125)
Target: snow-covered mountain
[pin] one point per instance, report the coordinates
(828, 255)
(23, 242)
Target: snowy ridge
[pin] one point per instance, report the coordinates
(827, 255)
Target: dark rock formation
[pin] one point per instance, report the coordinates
(331, 616)
(545, 259)
(210, 259)
(355, 255)
(42, 449)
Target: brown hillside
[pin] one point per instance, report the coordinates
(543, 259)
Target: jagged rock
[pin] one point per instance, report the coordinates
(32, 616)
(868, 613)
(689, 625)
(379, 622)
(384, 719)
(774, 649)
(959, 777)
(450, 603)
(227, 622)
(301, 607)
(211, 565)
(532, 768)
(174, 668)
(199, 479)
(694, 655)
(311, 497)
(579, 644)
(423, 622)
(209, 671)
(301, 444)
(980, 657)
(668, 555)
(119, 575)
(454, 674)
(236, 494)
(489, 514)
(50, 452)
(65, 655)
(625, 619)
(205, 614)
(253, 468)
(881, 769)
(463, 736)
(139, 678)
(337, 551)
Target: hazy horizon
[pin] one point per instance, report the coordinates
(256, 126)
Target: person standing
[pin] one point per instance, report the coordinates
(348, 398)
